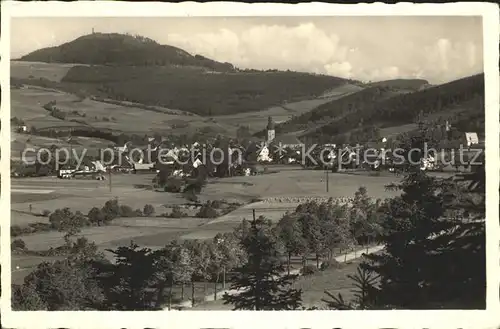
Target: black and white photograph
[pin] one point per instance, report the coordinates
(262, 162)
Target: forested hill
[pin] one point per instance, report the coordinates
(464, 95)
(335, 110)
(121, 49)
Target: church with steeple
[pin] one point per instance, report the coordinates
(271, 133)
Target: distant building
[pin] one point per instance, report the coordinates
(22, 129)
(471, 139)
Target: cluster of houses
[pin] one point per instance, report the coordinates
(226, 157)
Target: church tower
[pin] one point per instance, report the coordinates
(270, 130)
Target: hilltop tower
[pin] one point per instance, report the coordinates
(270, 130)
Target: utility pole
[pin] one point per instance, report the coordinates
(327, 185)
(224, 277)
(253, 213)
(110, 185)
(70, 148)
(229, 161)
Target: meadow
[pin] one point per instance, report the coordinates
(38, 70)
(27, 105)
(82, 195)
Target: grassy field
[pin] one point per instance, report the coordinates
(82, 195)
(37, 70)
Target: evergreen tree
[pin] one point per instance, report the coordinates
(260, 279)
(129, 283)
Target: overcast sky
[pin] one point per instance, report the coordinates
(438, 49)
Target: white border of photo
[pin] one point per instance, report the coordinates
(242, 319)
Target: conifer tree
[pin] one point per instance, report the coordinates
(260, 281)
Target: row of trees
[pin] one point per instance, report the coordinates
(321, 228)
(137, 279)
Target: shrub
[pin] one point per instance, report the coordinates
(127, 211)
(18, 244)
(308, 270)
(40, 227)
(15, 230)
(332, 263)
(217, 204)
(207, 211)
(149, 210)
(96, 216)
(111, 210)
(46, 213)
(59, 217)
(173, 185)
(190, 195)
(138, 212)
(177, 213)
(49, 106)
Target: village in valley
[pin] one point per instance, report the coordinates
(103, 171)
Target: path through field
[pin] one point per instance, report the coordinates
(341, 259)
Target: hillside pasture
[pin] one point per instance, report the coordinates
(20, 141)
(27, 104)
(38, 70)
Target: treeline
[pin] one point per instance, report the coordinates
(404, 109)
(198, 92)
